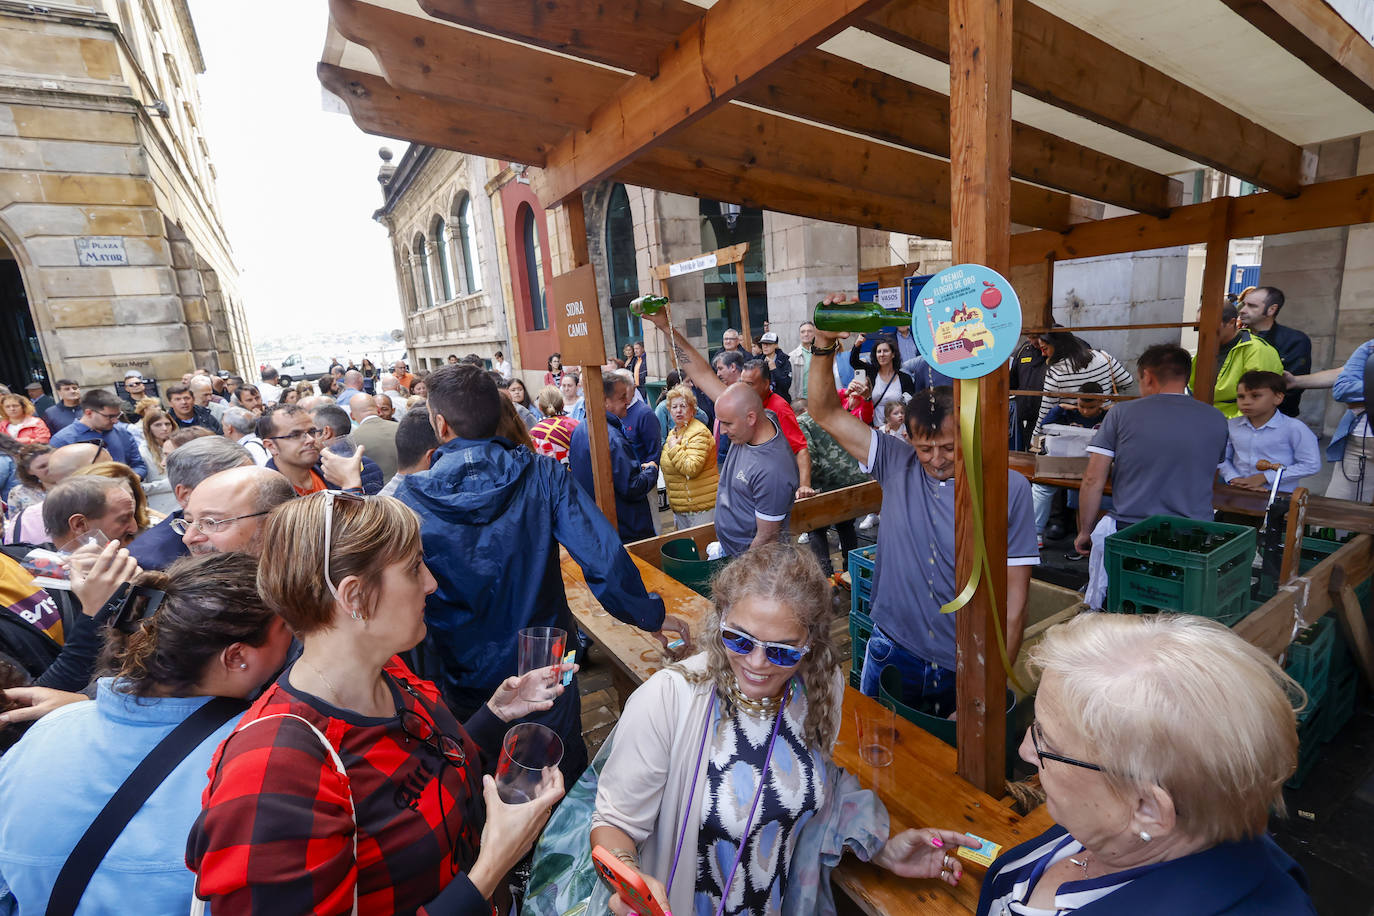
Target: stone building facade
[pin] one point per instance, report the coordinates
(113, 254)
(452, 292)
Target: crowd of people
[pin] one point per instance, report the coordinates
(284, 620)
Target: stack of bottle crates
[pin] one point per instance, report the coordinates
(1321, 662)
(1181, 566)
(861, 562)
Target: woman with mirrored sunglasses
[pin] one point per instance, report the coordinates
(350, 787)
(718, 786)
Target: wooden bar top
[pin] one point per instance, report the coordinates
(920, 788)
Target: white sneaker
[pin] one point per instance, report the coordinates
(869, 522)
(804, 538)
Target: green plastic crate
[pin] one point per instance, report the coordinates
(1316, 549)
(1309, 658)
(1311, 737)
(1148, 578)
(861, 563)
(860, 628)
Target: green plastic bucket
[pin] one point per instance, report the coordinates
(683, 562)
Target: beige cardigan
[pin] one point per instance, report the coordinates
(644, 787)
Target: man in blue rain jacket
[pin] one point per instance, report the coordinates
(492, 516)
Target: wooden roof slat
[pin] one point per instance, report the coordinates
(758, 139)
(380, 109)
(833, 90)
(1317, 35)
(816, 86)
(1345, 202)
(455, 64)
(629, 34)
(1063, 65)
(709, 63)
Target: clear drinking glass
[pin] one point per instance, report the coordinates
(877, 732)
(528, 753)
(540, 648)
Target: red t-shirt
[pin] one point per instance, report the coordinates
(317, 485)
(787, 419)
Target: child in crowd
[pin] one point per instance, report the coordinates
(1261, 433)
(894, 421)
(856, 401)
(1087, 411)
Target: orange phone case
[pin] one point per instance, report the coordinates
(631, 886)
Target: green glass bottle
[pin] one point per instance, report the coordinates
(864, 317)
(648, 305)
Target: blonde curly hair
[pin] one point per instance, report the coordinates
(791, 577)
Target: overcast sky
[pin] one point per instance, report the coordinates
(297, 184)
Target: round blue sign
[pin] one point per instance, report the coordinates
(966, 320)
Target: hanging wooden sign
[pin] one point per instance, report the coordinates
(576, 313)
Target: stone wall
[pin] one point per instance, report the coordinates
(1145, 287)
(79, 157)
(805, 259)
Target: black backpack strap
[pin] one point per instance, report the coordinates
(91, 849)
(1369, 383)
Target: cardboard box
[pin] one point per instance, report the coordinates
(1060, 468)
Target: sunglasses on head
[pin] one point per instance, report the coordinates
(777, 653)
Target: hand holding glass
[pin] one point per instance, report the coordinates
(540, 648)
(529, 757)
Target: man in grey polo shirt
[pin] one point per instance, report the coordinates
(758, 480)
(1162, 449)
(914, 574)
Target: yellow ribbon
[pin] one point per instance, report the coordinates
(970, 423)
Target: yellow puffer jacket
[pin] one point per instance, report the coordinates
(689, 469)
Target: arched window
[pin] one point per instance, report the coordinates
(622, 267)
(412, 303)
(723, 225)
(534, 269)
(424, 283)
(465, 247)
(443, 245)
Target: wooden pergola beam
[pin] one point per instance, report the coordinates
(1318, 36)
(833, 90)
(380, 109)
(816, 86)
(630, 34)
(734, 42)
(980, 41)
(1345, 202)
(1065, 66)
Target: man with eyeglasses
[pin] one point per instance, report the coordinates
(294, 442)
(187, 468)
(186, 412)
(100, 411)
(227, 511)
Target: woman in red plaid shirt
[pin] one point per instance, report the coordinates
(411, 825)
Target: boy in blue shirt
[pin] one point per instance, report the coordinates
(1088, 413)
(1261, 433)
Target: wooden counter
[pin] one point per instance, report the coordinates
(920, 788)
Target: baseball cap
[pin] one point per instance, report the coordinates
(133, 373)
(770, 337)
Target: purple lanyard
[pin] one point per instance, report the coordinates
(753, 809)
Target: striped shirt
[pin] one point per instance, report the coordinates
(1103, 368)
(1015, 881)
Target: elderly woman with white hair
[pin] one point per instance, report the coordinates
(1163, 743)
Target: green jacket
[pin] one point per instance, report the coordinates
(1248, 353)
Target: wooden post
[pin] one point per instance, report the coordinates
(598, 438)
(748, 342)
(1214, 274)
(980, 34)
